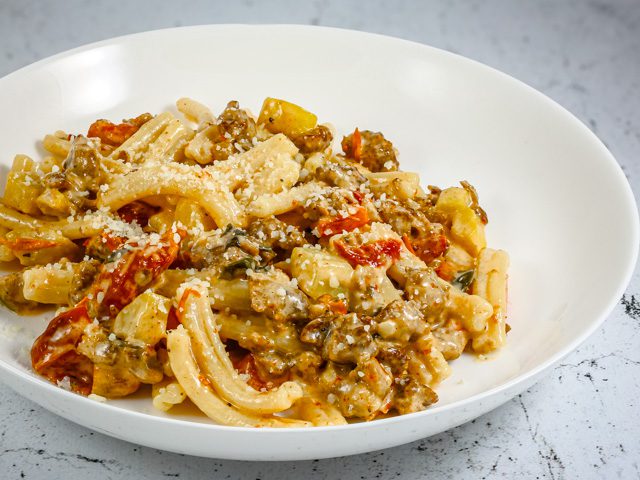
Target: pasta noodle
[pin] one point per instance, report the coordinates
(248, 266)
(175, 179)
(320, 413)
(491, 284)
(174, 136)
(167, 394)
(194, 111)
(187, 373)
(48, 285)
(213, 358)
(58, 145)
(140, 141)
(276, 204)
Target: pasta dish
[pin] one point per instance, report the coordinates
(249, 265)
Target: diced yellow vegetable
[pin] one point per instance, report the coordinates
(144, 319)
(52, 202)
(466, 227)
(280, 116)
(192, 215)
(23, 186)
(320, 273)
(162, 220)
(452, 200)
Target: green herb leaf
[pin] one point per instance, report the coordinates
(243, 264)
(463, 280)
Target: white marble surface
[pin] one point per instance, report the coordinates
(581, 421)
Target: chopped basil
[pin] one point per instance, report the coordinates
(463, 280)
(246, 263)
(234, 236)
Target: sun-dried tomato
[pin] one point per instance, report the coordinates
(172, 319)
(138, 212)
(445, 271)
(116, 134)
(117, 285)
(330, 226)
(373, 254)
(246, 364)
(54, 354)
(337, 306)
(430, 246)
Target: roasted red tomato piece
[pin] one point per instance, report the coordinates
(370, 149)
(246, 364)
(54, 355)
(428, 246)
(138, 212)
(119, 282)
(330, 226)
(183, 300)
(172, 319)
(407, 243)
(116, 134)
(357, 144)
(374, 254)
(445, 271)
(337, 306)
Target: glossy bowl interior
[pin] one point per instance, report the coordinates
(556, 198)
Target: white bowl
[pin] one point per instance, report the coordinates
(556, 198)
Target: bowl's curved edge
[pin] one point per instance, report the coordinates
(220, 451)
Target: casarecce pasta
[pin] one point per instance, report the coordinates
(248, 266)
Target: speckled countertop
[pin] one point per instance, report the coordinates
(581, 421)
